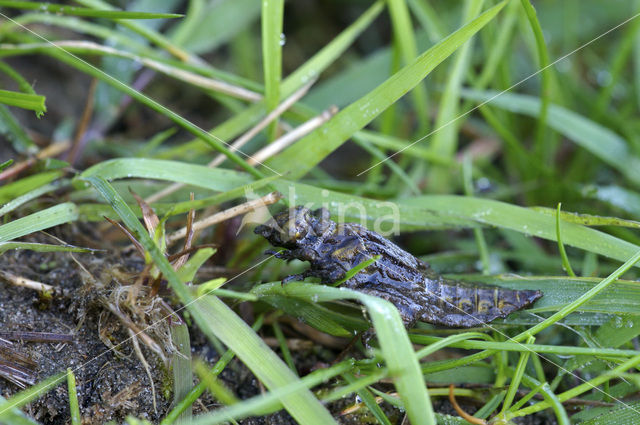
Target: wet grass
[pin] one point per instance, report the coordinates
(461, 125)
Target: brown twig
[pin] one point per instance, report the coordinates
(181, 260)
(173, 257)
(464, 415)
(52, 150)
(132, 238)
(78, 140)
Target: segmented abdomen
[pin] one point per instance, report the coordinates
(463, 306)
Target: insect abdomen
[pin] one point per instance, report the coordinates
(461, 306)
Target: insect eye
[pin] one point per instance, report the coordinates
(298, 234)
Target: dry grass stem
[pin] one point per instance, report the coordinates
(246, 207)
(136, 348)
(26, 283)
(279, 110)
(297, 133)
(180, 74)
(50, 151)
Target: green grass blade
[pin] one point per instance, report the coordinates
(26, 396)
(369, 400)
(272, 41)
(6, 164)
(517, 377)
(23, 84)
(529, 222)
(171, 68)
(79, 26)
(216, 388)
(194, 33)
(580, 389)
(332, 51)
(590, 220)
(217, 179)
(550, 398)
(431, 23)
(395, 168)
(600, 141)
(14, 133)
(32, 102)
(436, 344)
(406, 41)
(31, 195)
(188, 271)
(196, 391)
(317, 316)
(17, 417)
(144, 30)
(497, 51)
(445, 139)
(181, 368)
(73, 398)
(483, 251)
(309, 151)
(13, 190)
(82, 11)
(400, 358)
(394, 143)
(269, 401)
(616, 415)
(53, 216)
(463, 341)
(301, 76)
(563, 254)
(542, 142)
(262, 361)
(284, 348)
(41, 247)
(619, 65)
(587, 296)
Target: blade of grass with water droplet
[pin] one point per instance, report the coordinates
(272, 41)
(83, 11)
(524, 220)
(445, 139)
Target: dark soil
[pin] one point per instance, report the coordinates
(111, 383)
